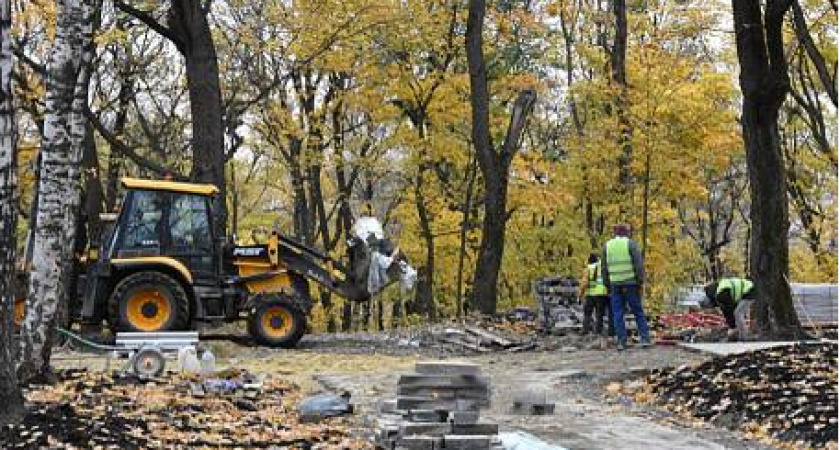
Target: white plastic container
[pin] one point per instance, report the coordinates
(188, 361)
(208, 362)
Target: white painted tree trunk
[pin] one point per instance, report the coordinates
(11, 399)
(68, 74)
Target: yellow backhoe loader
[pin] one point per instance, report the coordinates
(159, 267)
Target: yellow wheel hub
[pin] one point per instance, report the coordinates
(20, 311)
(148, 310)
(276, 321)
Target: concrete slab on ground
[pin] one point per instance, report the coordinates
(730, 348)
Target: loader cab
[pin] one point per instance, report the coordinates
(167, 219)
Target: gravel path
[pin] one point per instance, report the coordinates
(572, 376)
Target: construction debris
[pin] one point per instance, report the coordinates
(690, 327)
(113, 410)
(321, 406)
(533, 403)
(786, 394)
(557, 298)
(477, 339)
(438, 408)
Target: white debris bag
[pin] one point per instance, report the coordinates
(368, 226)
(408, 277)
(378, 274)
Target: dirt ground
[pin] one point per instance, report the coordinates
(574, 377)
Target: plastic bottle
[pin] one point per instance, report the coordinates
(208, 362)
(188, 360)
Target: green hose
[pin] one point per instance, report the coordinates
(86, 342)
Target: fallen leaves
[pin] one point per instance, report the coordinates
(102, 410)
(785, 395)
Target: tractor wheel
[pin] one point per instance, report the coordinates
(149, 301)
(277, 322)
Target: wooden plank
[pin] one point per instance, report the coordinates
(522, 348)
(465, 344)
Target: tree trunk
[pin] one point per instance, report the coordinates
(347, 316)
(188, 18)
(494, 165)
(68, 73)
(234, 204)
(462, 248)
(764, 83)
(93, 192)
(618, 61)
(126, 77)
(423, 303)
(189, 30)
(646, 207)
(490, 252)
(11, 398)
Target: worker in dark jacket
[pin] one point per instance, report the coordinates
(733, 296)
(596, 299)
(624, 275)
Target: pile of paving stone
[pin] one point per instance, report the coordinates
(438, 408)
(784, 393)
(113, 410)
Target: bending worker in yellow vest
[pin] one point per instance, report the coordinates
(624, 276)
(734, 297)
(596, 299)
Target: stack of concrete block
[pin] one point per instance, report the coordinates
(438, 408)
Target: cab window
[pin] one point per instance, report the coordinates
(143, 223)
(189, 224)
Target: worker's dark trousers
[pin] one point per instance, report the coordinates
(735, 313)
(623, 296)
(600, 306)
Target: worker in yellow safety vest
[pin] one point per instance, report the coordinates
(595, 299)
(733, 296)
(623, 272)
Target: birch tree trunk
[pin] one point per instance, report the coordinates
(11, 399)
(68, 73)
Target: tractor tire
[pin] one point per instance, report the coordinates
(149, 301)
(277, 322)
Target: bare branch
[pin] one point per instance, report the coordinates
(152, 23)
(127, 151)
